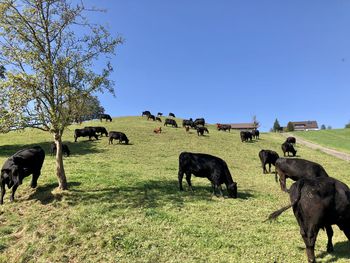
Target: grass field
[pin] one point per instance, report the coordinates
(338, 139)
(123, 202)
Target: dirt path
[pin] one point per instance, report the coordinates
(338, 154)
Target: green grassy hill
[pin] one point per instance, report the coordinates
(123, 202)
(338, 139)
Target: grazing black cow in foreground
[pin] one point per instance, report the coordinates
(223, 127)
(158, 119)
(319, 203)
(152, 117)
(22, 164)
(65, 149)
(84, 133)
(255, 134)
(171, 114)
(287, 148)
(98, 129)
(146, 113)
(187, 123)
(170, 122)
(291, 140)
(296, 169)
(107, 117)
(205, 165)
(246, 135)
(199, 121)
(201, 130)
(118, 136)
(268, 157)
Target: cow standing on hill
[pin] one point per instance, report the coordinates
(65, 149)
(107, 117)
(84, 133)
(246, 135)
(268, 157)
(255, 134)
(170, 122)
(152, 117)
(120, 136)
(199, 121)
(171, 114)
(223, 127)
(296, 169)
(291, 140)
(22, 164)
(209, 166)
(287, 148)
(187, 123)
(146, 113)
(98, 129)
(319, 203)
(201, 130)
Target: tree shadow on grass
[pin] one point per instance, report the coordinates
(82, 148)
(341, 251)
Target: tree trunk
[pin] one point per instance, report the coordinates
(61, 176)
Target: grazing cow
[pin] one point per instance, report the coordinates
(152, 117)
(245, 136)
(65, 149)
(255, 134)
(223, 127)
(296, 169)
(107, 117)
(117, 136)
(187, 123)
(98, 129)
(84, 133)
(146, 113)
(171, 114)
(201, 130)
(291, 140)
(157, 130)
(268, 157)
(170, 122)
(159, 114)
(287, 148)
(199, 121)
(22, 164)
(187, 128)
(158, 119)
(205, 165)
(319, 203)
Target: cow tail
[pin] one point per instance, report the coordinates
(296, 193)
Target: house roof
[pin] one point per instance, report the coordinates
(243, 126)
(305, 124)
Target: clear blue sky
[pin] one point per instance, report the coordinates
(227, 60)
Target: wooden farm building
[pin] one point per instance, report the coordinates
(244, 126)
(305, 125)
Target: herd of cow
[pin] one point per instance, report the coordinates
(318, 201)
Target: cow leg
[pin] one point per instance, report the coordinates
(14, 188)
(220, 190)
(283, 182)
(2, 192)
(269, 167)
(329, 232)
(188, 179)
(75, 138)
(180, 176)
(35, 177)
(347, 232)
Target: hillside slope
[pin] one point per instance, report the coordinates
(123, 202)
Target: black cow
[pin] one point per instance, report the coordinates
(223, 127)
(291, 140)
(287, 148)
(146, 113)
(187, 123)
(152, 117)
(159, 114)
(199, 121)
(107, 117)
(319, 203)
(118, 136)
(171, 114)
(205, 165)
(170, 122)
(158, 119)
(246, 135)
(65, 149)
(268, 157)
(84, 133)
(22, 164)
(296, 169)
(201, 130)
(255, 134)
(98, 129)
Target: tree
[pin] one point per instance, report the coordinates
(48, 48)
(347, 125)
(276, 126)
(329, 127)
(255, 122)
(323, 127)
(87, 108)
(290, 126)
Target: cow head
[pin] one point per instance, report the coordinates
(232, 190)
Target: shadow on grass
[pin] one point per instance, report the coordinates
(150, 194)
(76, 148)
(341, 251)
